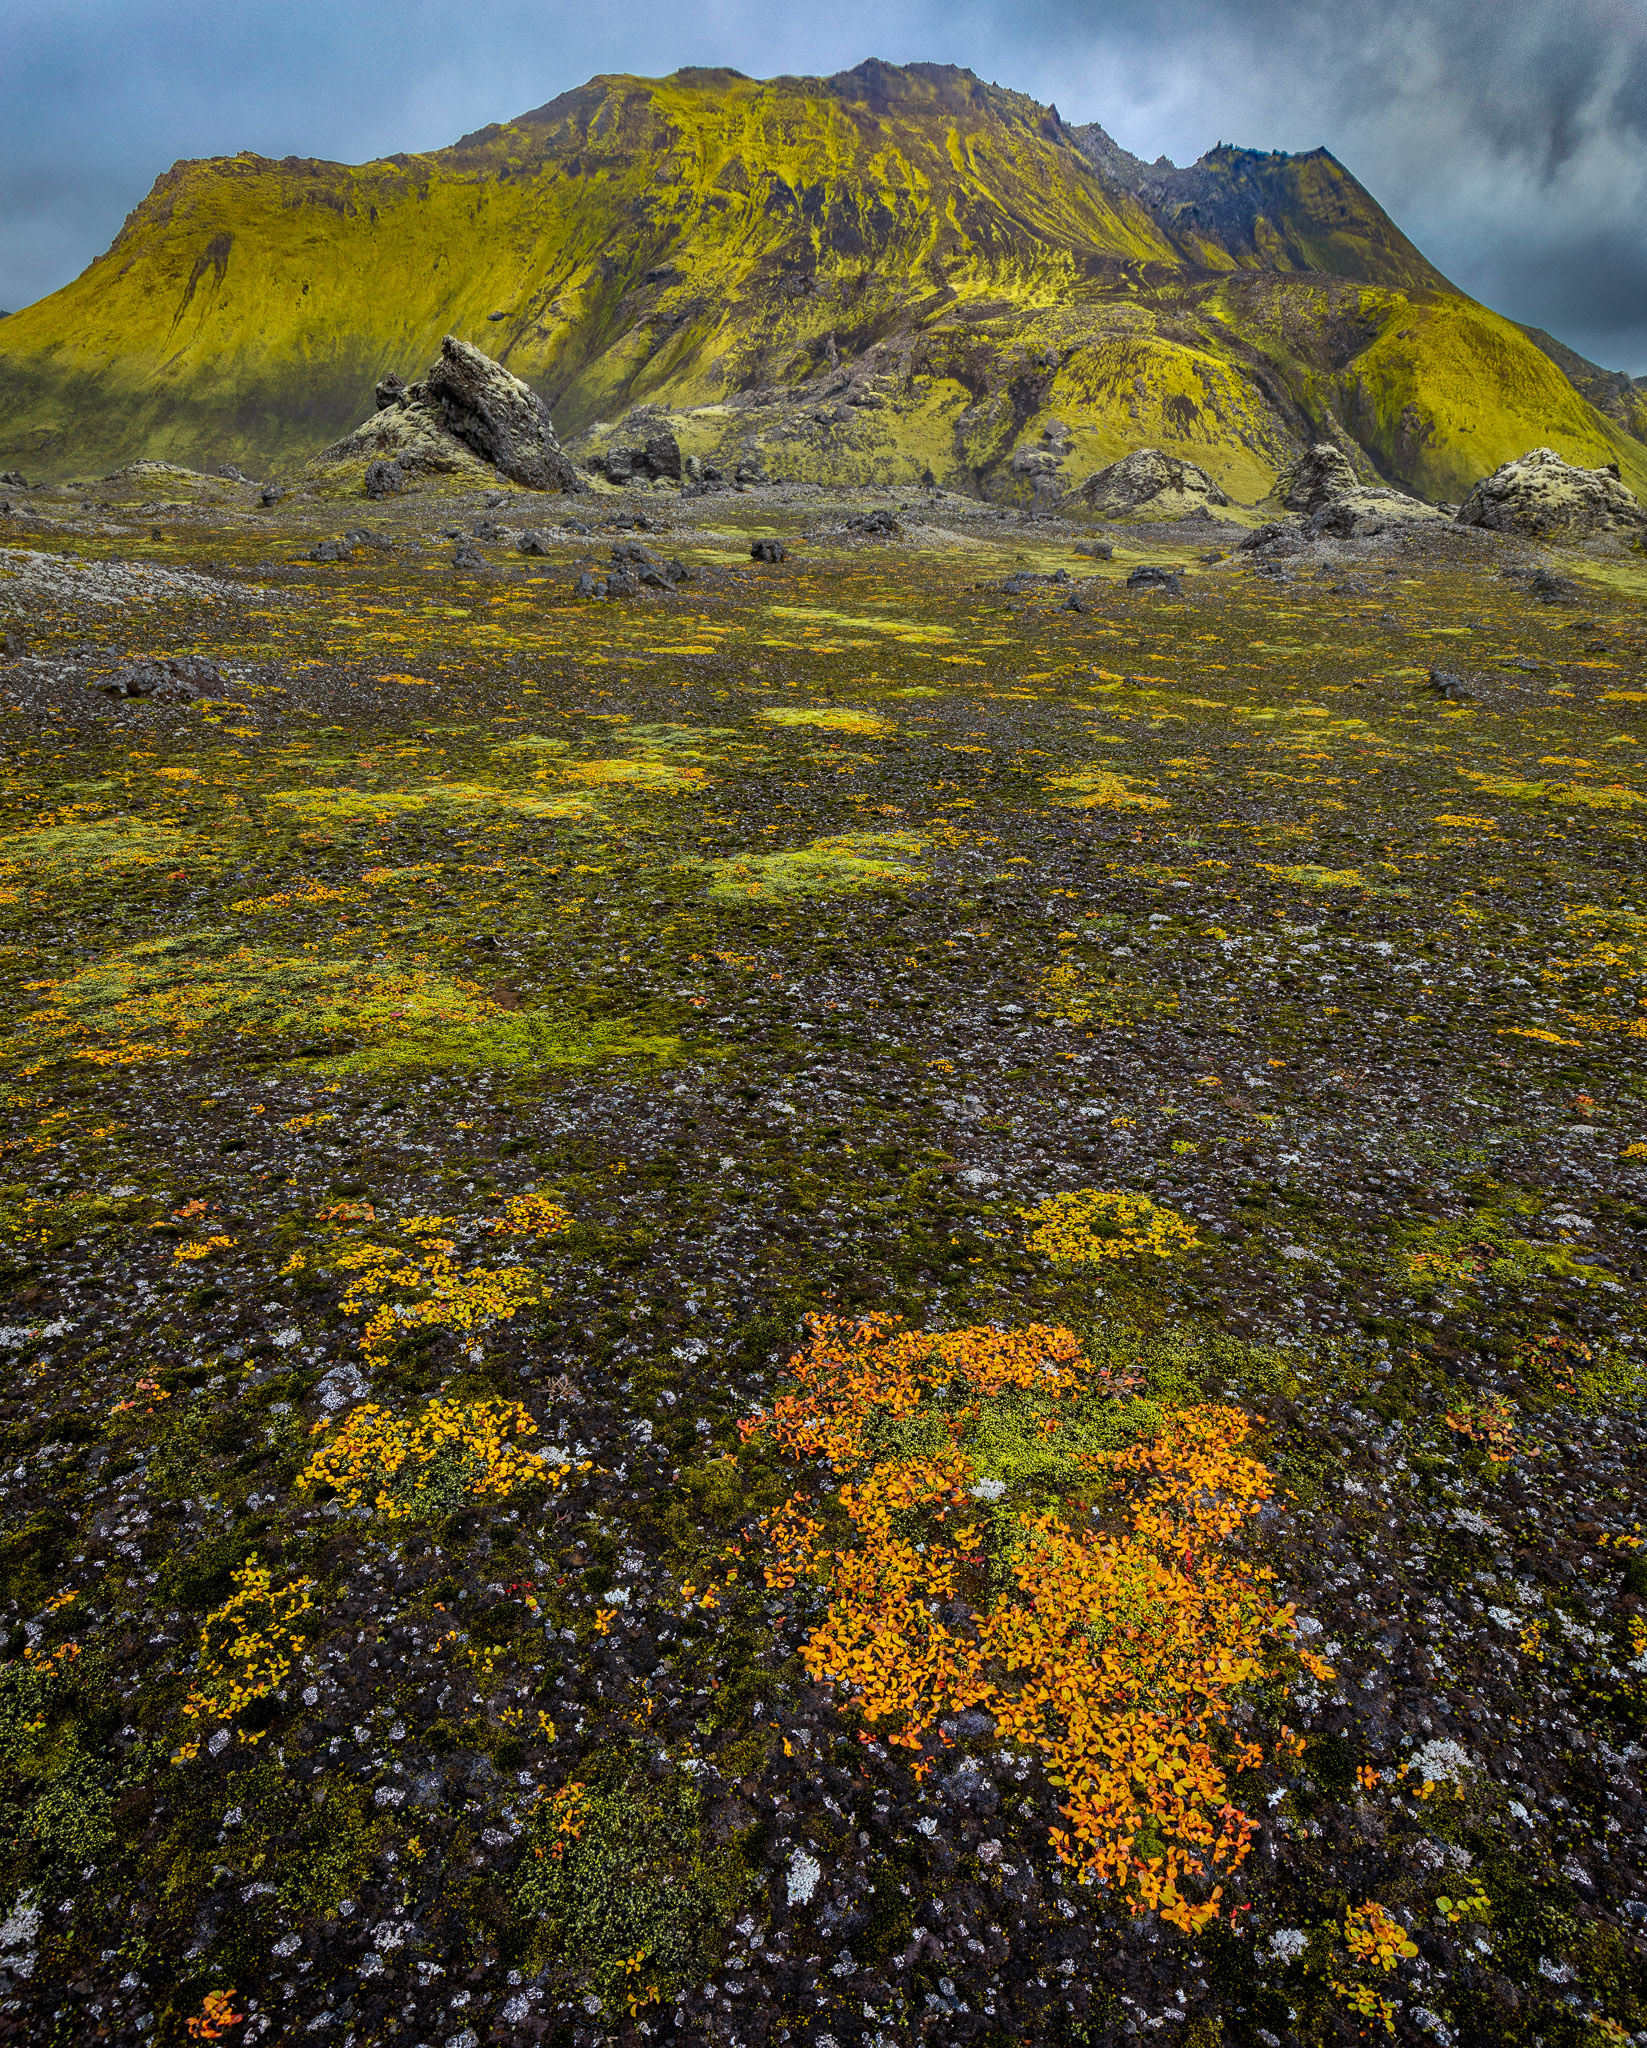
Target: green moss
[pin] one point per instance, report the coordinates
(520, 1040)
(73, 1819)
(825, 867)
(634, 1904)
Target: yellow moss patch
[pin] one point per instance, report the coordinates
(828, 717)
(668, 778)
(414, 1282)
(1101, 789)
(857, 860)
(1307, 875)
(1094, 1226)
(96, 843)
(911, 630)
(447, 1456)
(344, 805)
(168, 998)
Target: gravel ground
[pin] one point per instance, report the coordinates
(485, 1004)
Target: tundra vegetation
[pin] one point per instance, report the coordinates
(889, 1295)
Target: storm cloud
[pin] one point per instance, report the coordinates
(1510, 140)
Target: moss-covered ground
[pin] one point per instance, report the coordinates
(448, 1061)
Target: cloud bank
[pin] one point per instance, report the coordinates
(1510, 141)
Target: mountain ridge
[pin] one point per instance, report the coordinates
(691, 242)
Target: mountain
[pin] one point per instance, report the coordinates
(884, 275)
(1616, 393)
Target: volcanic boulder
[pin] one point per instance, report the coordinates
(659, 455)
(1541, 497)
(1323, 484)
(467, 410)
(1320, 473)
(1149, 484)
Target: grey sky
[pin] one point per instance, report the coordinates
(1508, 137)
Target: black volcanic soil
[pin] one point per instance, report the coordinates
(793, 928)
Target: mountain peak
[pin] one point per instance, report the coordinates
(912, 269)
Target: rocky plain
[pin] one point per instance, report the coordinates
(821, 1266)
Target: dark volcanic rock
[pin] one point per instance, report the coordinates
(768, 551)
(1148, 577)
(166, 682)
(384, 479)
(1320, 473)
(467, 409)
(663, 455)
(503, 420)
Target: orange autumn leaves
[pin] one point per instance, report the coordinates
(1122, 1625)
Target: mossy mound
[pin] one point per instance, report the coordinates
(1542, 497)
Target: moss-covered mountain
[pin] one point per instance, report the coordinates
(881, 276)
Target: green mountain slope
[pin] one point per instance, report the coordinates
(883, 275)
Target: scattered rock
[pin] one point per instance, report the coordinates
(663, 455)
(658, 456)
(12, 643)
(385, 479)
(466, 556)
(177, 681)
(1280, 535)
(1149, 484)
(502, 419)
(882, 523)
(14, 477)
(1444, 683)
(273, 493)
(327, 551)
(588, 584)
(1027, 579)
(390, 390)
(1099, 550)
(1542, 497)
(532, 544)
(232, 475)
(634, 558)
(1147, 576)
(1550, 588)
(768, 551)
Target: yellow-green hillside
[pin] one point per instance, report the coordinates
(712, 240)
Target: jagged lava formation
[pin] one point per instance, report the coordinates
(884, 276)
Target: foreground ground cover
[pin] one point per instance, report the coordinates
(837, 1306)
